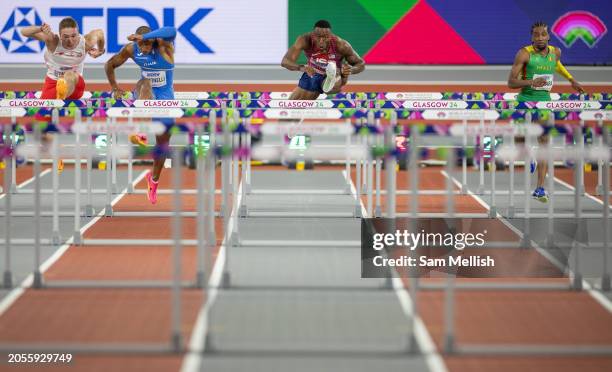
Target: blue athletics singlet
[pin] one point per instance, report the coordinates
(160, 72)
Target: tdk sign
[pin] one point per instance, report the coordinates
(114, 14)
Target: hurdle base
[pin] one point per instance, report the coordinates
(526, 242)
(550, 241)
(77, 238)
(56, 238)
(449, 344)
(413, 345)
(108, 211)
(510, 212)
(243, 211)
(209, 347)
(577, 283)
(606, 283)
(177, 342)
(599, 190)
(200, 279)
(226, 280)
(378, 211)
(89, 210)
(13, 188)
(37, 282)
(347, 189)
(7, 280)
(493, 212)
(130, 188)
(387, 284)
(357, 211)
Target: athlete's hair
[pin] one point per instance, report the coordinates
(143, 30)
(538, 24)
(68, 22)
(322, 24)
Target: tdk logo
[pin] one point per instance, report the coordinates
(10, 36)
(20, 17)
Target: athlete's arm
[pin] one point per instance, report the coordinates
(515, 79)
(115, 61)
(561, 70)
(42, 33)
(94, 43)
(290, 59)
(165, 41)
(355, 62)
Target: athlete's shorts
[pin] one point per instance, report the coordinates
(312, 84)
(48, 90)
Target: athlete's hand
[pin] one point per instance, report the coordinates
(309, 70)
(95, 53)
(46, 29)
(118, 93)
(346, 70)
(135, 37)
(576, 85)
(538, 83)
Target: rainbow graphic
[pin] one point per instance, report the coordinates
(579, 25)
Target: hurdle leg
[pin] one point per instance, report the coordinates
(77, 192)
(37, 282)
(130, 170)
(176, 333)
(449, 293)
(605, 277)
(242, 208)
(480, 189)
(247, 180)
(511, 208)
(108, 209)
(370, 176)
(550, 240)
(464, 186)
(55, 235)
(89, 209)
(493, 207)
(599, 188)
(212, 174)
(347, 161)
(390, 169)
(114, 160)
(7, 277)
(577, 279)
(357, 211)
(13, 168)
(201, 207)
(226, 207)
(378, 206)
(527, 185)
(579, 163)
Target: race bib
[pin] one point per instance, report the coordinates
(157, 78)
(549, 81)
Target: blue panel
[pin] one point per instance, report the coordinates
(496, 29)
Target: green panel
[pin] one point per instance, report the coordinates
(348, 18)
(387, 13)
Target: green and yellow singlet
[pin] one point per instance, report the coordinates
(538, 66)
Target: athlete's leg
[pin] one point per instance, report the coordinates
(162, 140)
(144, 90)
(542, 164)
(300, 93)
(65, 85)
